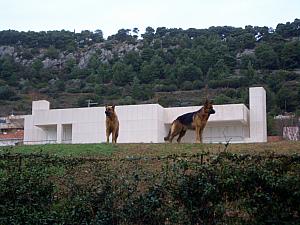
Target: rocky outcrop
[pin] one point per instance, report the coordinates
(85, 58)
(82, 56)
(245, 53)
(6, 50)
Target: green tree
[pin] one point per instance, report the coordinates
(7, 67)
(136, 32)
(157, 65)
(122, 36)
(222, 99)
(149, 34)
(70, 64)
(287, 98)
(189, 72)
(249, 74)
(218, 71)
(71, 46)
(94, 62)
(98, 35)
(289, 29)
(52, 52)
(276, 80)
(204, 59)
(37, 65)
(137, 91)
(290, 55)
(104, 74)
(133, 58)
(6, 93)
(122, 73)
(147, 53)
(152, 70)
(146, 75)
(246, 59)
(266, 57)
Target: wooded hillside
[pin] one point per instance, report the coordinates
(166, 66)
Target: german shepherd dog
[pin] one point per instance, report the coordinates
(112, 123)
(193, 121)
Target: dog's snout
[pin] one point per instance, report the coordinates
(212, 111)
(107, 113)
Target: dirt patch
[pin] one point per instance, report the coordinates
(166, 149)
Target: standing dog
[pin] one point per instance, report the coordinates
(112, 123)
(193, 121)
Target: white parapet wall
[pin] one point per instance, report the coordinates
(258, 115)
(147, 123)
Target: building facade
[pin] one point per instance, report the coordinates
(11, 130)
(148, 123)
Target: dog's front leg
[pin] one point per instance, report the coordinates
(197, 130)
(107, 135)
(201, 134)
(114, 139)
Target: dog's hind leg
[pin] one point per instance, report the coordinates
(171, 135)
(168, 136)
(181, 134)
(175, 130)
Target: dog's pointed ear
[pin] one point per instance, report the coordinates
(113, 106)
(206, 102)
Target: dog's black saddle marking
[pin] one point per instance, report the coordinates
(186, 119)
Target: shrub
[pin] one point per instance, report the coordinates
(127, 100)
(222, 99)
(52, 53)
(187, 85)
(74, 86)
(165, 87)
(180, 189)
(197, 84)
(6, 93)
(83, 100)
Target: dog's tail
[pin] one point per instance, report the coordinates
(169, 134)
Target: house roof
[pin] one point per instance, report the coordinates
(19, 134)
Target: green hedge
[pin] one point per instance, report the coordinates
(177, 189)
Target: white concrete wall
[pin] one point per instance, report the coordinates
(146, 123)
(49, 132)
(40, 105)
(138, 123)
(10, 142)
(258, 115)
(33, 134)
(67, 133)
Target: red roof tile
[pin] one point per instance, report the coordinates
(19, 134)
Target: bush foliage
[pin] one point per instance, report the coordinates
(176, 189)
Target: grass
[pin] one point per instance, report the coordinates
(84, 150)
(152, 150)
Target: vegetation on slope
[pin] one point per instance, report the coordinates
(68, 68)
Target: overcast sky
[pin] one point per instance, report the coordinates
(112, 15)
